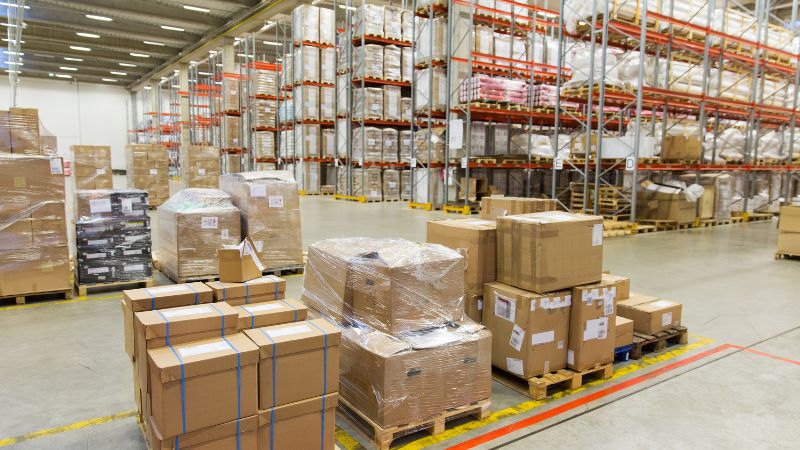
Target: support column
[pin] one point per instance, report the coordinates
(185, 111)
(155, 108)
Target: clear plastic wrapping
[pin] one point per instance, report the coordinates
(232, 138)
(266, 112)
(306, 24)
(265, 144)
(287, 70)
(148, 170)
(392, 107)
(430, 93)
(390, 145)
(19, 131)
(287, 144)
(407, 68)
(270, 207)
(392, 23)
(91, 166)
(391, 185)
(306, 102)
(428, 186)
(368, 61)
(266, 82)
(327, 96)
(430, 139)
(232, 163)
(328, 145)
(327, 68)
(200, 166)
(34, 256)
(431, 39)
(392, 55)
(341, 93)
(407, 26)
(327, 32)
(405, 145)
(405, 109)
(483, 43)
(192, 225)
(373, 187)
(371, 149)
(311, 176)
(306, 140)
(230, 92)
(369, 108)
(306, 64)
(368, 21)
(405, 185)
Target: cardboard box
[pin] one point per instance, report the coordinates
(592, 327)
(496, 206)
(650, 314)
(32, 270)
(473, 307)
(545, 252)
(266, 288)
(170, 296)
(789, 219)
(529, 330)
(789, 242)
(239, 434)
(92, 167)
(202, 384)
(147, 168)
(623, 334)
(297, 361)
(271, 313)
(660, 202)
(394, 382)
(200, 166)
(239, 263)
(476, 240)
(307, 424)
(622, 284)
(677, 148)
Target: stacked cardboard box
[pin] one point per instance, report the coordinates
(650, 314)
(270, 208)
(200, 167)
(92, 167)
(789, 230)
(192, 225)
(34, 256)
(495, 206)
(662, 202)
(113, 236)
(148, 170)
(19, 131)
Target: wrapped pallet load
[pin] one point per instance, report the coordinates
(200, 166)
(306, 24)
(390, 145)
(92, 166)
(391, 185)
(392, 56)
(326, 103)
(148, 170)
(327, 30)
(306, 140)
(306, 102)
(405, 145)
(306, 63)
(405, 109)
(392, 106)
(405, 185)
(368, 21)
(19, 131)
(664, 202)
(431, 40)
(270, 208)
(368, 144)
(368, 61)
(431, 90)
(406, 66)
(328, 144)
(327, 69)
(368, 103)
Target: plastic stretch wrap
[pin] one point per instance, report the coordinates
(311, 176)
(373, 187)
(483, 43)
(502, 46)
(306, 103)
(328, 145)
(499, 138)
(428, 186)
(307, 140)
(266, 112)
(407, 68)
(392, 23)
(148, 170)
(230, 93)
(287, 144)
(265, 144)
(430, 93)
(478, 143)
(408, 26)
(192, 225)
(306, 64)
(270, 208)
(391, 63)
(405, 185)
(369, 108)
(232, 163)
(431, 39)
(113, 236)
(433, 139)
(371, 149)
(392, 103)
(91, 166)
(266, 82)
(34, 256)
(287, 70)
(327, 31)
(233, 129)
(327, 69)
(390, 147)
(342, 138)
(305, 24)
(519, 51)
(200, 166)
(405, 145)
(580, 56)
(391, 184)
(368, 20)
(405, 109)
(368, 61)
(493, 89)
(327, 96)
(286, 111)
(341, 93)
(19, 131)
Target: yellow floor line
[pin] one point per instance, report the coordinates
(39, 304)
(70, 427)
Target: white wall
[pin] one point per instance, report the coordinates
(76, 113)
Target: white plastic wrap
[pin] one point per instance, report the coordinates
(327, 27)
(326, 106)
(431, 39)
(368, 20)
(407, 68)
(306, 102)
(368, 61)
(371, 148)
(392, 23)
(390, 145)
(305, 24)
(408, 26)
(392, 103)
(391, 63)
(306, 140)
(327, 72)
(427, 79)
(306, 63)
(368, 103)
(405, 145)
(405, 109)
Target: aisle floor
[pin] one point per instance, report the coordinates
(67, 381)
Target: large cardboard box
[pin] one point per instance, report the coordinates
(239, 434)
(529, 330)
(622, 284)
(271, 313)
(32, 270)
(24, 131)
(473, 307)
(262, 289)
(476, 240)
(497, 206)
(270, 209)
(200, 166)
(202, 384)
(307, 424)
(677, 148)
(789, 230)
(92, 167)
(239, 263)
(650, 314)
(148, 170)
(548, 251)
(592, 326)
(660, 202)
(789, 243)
(623, 334)
(297, 361)
(396, 382)
(392, 285)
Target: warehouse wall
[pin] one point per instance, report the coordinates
(77, 113)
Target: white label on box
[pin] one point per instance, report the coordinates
(132, 238)
(596, 329)
(100, 205)
(608, 306)
(132, 252)
(201, 171)
(259, 245)
(480, 305)
(371, 142)
(153, 171)
(127, 205)
(505, 307)
(558, 163)
(95, 255)
(555, 302)
(373, 193)
(133, 267)
(297, 329)
(276, 201)
(517, 336)
(204, 348)
(597, 234)
(98, 241)
(224, 234)
(392, 184)
(263, 307)
(413, 162)
(101, 171)
(514, 365)
(602, 328)
(258, 190)
(209, 222)
(55, 166)
(161, 290)
(543, 337)
(97, 270)
(406, 141)
(560, 345)
(570, 357)
(173, 313)
(666, 319)
(547, 366)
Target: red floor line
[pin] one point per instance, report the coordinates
(508, 429)
(779, 358)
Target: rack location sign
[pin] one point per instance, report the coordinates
(630, 163)
(558, 163)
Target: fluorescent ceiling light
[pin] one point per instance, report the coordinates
(101, 18)
(63, 75)
(273, 43)
(196, 8)
(110, 80)
(351, 8)
(147, 88)
(127, 65)
(123, 74)
(139, 55)
(171, 28)
(5, 24)
(13, 5)
(9, 52)
(12, 71)
(204, 73)
(6, 40)
(89, 35)
(80, 49)
(14, 63)
(175, 86)
(68, 68)
(160, 44)
(67, 58)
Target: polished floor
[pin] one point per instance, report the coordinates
(67, 382)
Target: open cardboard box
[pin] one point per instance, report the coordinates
(239, 263)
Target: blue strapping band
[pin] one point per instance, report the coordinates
(276, 289)
(222, 316)
(183, 389)
(290, 306)
(224, 292)
(274, 390)
(324, 381)
(166, 322)
(246, 293)
(252, 317)
(196, 294)
(152, 299)
(238, 393)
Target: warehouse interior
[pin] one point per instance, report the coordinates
(370, 224)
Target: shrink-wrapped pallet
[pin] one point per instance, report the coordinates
(408, 25)
(368, 103)
(311, 176)
(367, 144)
(305, 24)
(405, 185)
(405, 145)
(265, 144)
(341, 93)
(405, 109)
(519, 51)
(428, 186)
(91, 165)
(343, 136)
(483, 43)
(392, 107)
(429, 144)
(392, 23)
(230, 92)
(287, 70)
(368, 61)
(391, 63)
(368, 21)
(306, 102)
(328, 145)
(148, 170)
(390, 145)
(391, 185)
(306, 140)
(266, 112)
(306, 64)
(431, 90)
(200, 166)
(232, 163)
(431, 40)
(19, 131)
(326, 107)
(406, 64)
(266, 82)
(327, 70)
(287, 144)
(232, 134)
(327, 27)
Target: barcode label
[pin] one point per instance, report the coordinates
(505, 307)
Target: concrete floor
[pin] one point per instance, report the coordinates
(63, 363)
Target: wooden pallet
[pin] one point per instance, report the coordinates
(293, 269)
(648, 343)
(24, 298)
(667, 225)
(391, 200)
(752, 217)
(84, 288)
(645, 229)
(383, 437)
(181, 280)
(536, 387)
(327, 190)
(784, 255)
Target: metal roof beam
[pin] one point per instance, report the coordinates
(154, 52)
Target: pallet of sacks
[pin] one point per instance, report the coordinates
(409, 359)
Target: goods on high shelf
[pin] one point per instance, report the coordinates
(148, 170)
(92, 167)
(200, 166)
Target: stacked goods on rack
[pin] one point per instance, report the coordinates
(668, 203)
(19, 132)
(372, 186)
(391, 185)
(789, 231)
(112, 233)
(394, 316)
(270, 208)
(34, 256)
(200, 166)
(483, 88)
(715, 203)
(192, 225)
(493, 206)
(148, 170)
(92, 167)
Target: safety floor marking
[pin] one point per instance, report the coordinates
(71, 427)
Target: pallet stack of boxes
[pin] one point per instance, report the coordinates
(148, 170)
(408, 355)
(112, 233)
(200, 167)
(92, 167)
(789, 231)
(231, 364)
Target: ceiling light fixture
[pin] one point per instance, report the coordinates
(110, 80)
(127, 65)
(89, 35)
(122, 74)
(171, 28)
(9, 52)
(101, 18)
(196, 8)
(6, 40)
(68, 68)
(67, 58)
(160, 44)
(14, 63)
(80, 49)
(139, 55)
(12, 71)
(147, 88)
(273, 43)
(63, 75)
(205, 74)
(351, 8)
(8, 25)
(14, 5)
